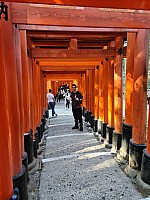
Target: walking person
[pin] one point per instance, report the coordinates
(77, 98)
(67, 100)
(51, 102)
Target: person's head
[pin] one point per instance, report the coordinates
(74, 87)
(50, 90)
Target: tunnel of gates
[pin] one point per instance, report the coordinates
(44, 47)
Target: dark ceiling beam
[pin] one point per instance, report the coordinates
(69, 60)
(66, 44)
(69, 64)
(63, 53)
(51, 43)
(68, 35)
(62, 72)
(66, 76)
(73, 29)
(127, 4)
(96, 18)
(60, 68)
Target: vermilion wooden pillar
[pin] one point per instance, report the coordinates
(80, 83)
(36, 95)
(96, 92)
(70, 85)
(127, 125)
(39, 93)
(105, 89)
(30, 73)
(131, 37)
(84, 90)
(89, 93)
(25, 78)
(111, 93)
(41, 107)
(110, 126)
(137, 144)
(42, 90)
(91, 90)
(12, 106)
(5, 151)
(20, 86)
(87, 89)
(57, 86)
(117, 134)
(45, 90)
(54, 88)
(101, 99)
(27, 99)
(12, 97)
(49, 85)
(105, 96)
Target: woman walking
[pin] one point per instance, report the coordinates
(51, 102)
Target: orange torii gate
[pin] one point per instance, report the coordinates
(21, 86)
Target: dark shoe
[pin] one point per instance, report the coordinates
(75, 127)
(81, 129)
(55, 114)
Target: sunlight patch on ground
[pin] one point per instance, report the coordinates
(92, 148)
(79, 156)
(103, 165)
(59, 125)
(67, 135)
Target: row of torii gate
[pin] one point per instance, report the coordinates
(24, 84)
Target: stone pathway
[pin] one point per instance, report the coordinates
(77, 167)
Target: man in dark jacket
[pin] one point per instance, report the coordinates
(76, 98)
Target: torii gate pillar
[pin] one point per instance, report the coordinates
(137, 143)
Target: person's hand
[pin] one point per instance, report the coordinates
(76, 99)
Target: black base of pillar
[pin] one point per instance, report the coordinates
(41, 127)
(92, 121)
(35, 148)
(99, 126)
(95, 125)
(89, 117)
(20, 181)
(103, 129)
(135, 155)
(116, 141)
(36, 136)
(40, 131)
(25, 163)
(83, 111)
(43, 124)
(28, 146)
(85, 115)
(145, 168)
(126, 136)
(109, 134)
(47, 114)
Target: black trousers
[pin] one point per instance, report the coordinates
(77, 114)
(67, 104)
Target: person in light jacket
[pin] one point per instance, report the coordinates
(51, 101)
